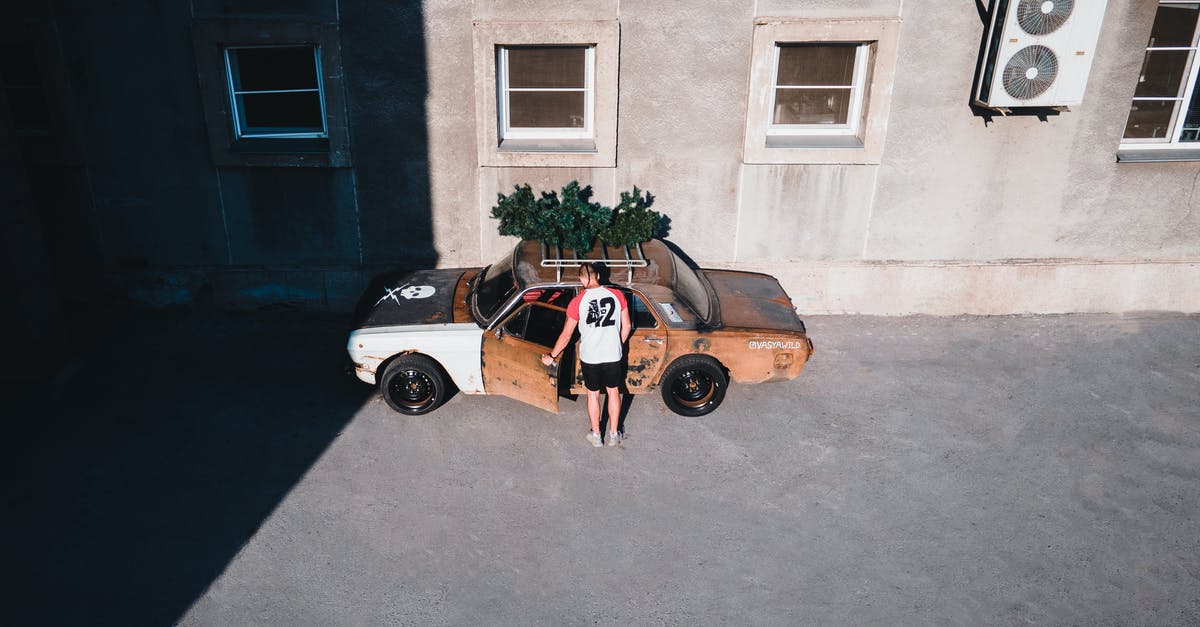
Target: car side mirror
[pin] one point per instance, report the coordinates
(499, 332)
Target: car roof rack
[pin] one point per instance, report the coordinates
(629, 261)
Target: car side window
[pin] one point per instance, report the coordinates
(640, 312)
(558, 296)
(515, 325)
(545, 324)
(536, 323)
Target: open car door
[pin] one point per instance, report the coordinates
(512, 355)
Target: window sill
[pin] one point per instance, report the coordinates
(1150, 155)
(279, 145)
(814, 141)
(548, 145)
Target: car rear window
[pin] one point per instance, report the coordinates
(497, 286)
(690, 288)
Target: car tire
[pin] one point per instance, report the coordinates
(413, 385)
(693, 385)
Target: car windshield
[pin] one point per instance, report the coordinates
(689, 287)
(495, 289)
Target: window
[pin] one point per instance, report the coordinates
(536, 323)
(545, 92)
(497, 286)
(22, 84)
(643, 318)
(818, 88)
(1165, 112)
(272, 93)
(276, 91)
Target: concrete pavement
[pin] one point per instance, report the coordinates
(1004, 470)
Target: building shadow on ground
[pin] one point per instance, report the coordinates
(169, 437)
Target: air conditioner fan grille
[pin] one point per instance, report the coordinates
(1030, 72)
(1042, 17)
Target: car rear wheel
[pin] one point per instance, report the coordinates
(413, 385)
(693, 385)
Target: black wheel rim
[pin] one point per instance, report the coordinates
(412, 389)
(693, 389)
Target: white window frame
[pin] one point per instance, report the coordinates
(861, 140)
(596, 151)
(862, 53)
(503, 106)
(234, 93)
(1171, 142)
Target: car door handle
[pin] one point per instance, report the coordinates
(652, 340)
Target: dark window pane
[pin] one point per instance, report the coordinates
(557, 296)
(28, 107)
(256, 69)
(642, 318)
(515, 325)
(540, 109)
(547, 67)
(497, 286)
(1149, 119)
(825, 64)
(544, 325)
(1191, 123)
(1174, 25)
(298, 112)
(1162, 74)
(18, 64)
(812, 106)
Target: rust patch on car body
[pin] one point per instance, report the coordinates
(644, 364)
(461, 312)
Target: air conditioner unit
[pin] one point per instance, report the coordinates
(1039, 53)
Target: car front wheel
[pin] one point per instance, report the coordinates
(413, 385)
(693, 385)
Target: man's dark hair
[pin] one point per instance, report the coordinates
(601, 270)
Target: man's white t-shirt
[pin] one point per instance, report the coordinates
(599, 324)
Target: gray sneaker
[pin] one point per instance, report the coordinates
(594, 438)
(613, 438)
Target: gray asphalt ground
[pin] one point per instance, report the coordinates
(1003, 470)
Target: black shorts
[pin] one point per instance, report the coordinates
(597, 376)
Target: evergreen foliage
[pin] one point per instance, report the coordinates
(517, 213)
(571, 220)
(633, 221)
(580, 220)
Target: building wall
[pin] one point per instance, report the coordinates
(966, 213)
(963, 213)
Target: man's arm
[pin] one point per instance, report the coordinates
(564, 338)
(626, 326)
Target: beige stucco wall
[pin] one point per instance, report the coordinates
(961, 215)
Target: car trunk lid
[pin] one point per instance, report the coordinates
(421, 297)
(752, 300)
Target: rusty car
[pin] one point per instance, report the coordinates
(483, 330)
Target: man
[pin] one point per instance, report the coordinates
(603, 329)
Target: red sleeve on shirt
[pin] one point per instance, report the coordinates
(573, 308)
(620, 299)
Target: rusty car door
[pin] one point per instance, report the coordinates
(645, 351)
(512, 351)
(647, 344)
